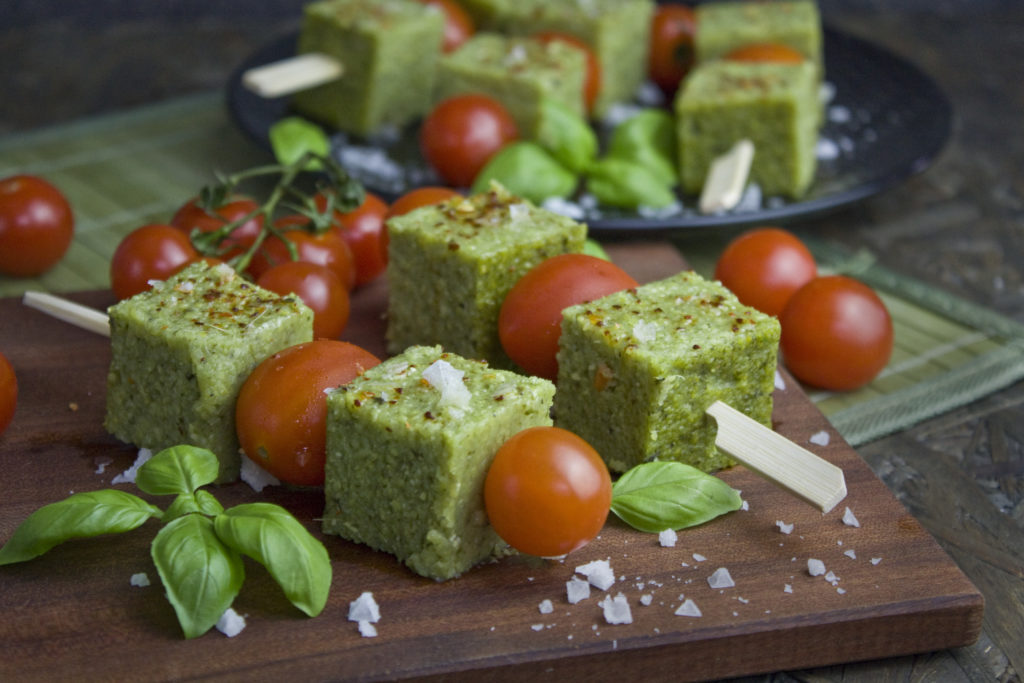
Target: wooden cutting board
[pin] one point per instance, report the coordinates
(73, 613)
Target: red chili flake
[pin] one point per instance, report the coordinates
(357, 403)
(428, 415)
(696, 347)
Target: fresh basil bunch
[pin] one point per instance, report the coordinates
(656, 496)
(198, 552)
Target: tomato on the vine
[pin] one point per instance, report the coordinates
(8, 393)
(462, 133)
(191, 216)
(36, 225)
(592, 81)
(529, 323)
(766, 52)
(281, 412)
(837, 333)
(327, 248)
(152, 252)
(458, 25)
(547, 492)
(671, 56)
(764, 266)
(319, 288)
(363, 230)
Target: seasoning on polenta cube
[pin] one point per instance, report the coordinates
(181, 351)
(725, 26)
(388, 50)
(638, 368)
(450, 266)
(775, 106)
(409, 443)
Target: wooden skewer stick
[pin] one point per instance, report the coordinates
(70, 312)
(727, 177)
(778, 459)
(293, 74)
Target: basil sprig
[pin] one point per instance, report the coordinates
(198, 552)
(656, 496)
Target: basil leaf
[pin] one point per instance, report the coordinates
(270, 535)
(201, 502)
(201, 575)
(293, 136)
(81, 515)
(656, 496)
(178, 469)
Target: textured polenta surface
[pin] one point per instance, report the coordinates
(725, 26)
(775, 106)
(405, 473)
(181, 351)
(389, 49)
(638, 368)
(450, 266)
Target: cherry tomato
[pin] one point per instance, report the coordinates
(530, 320)
(836, 333)
(764, 266)
(8, 393)
(766, 52)
(462, 133)
(414, 199)
(547, 492)
(319, 288)
(152, 252)
(327, 249)
(281, 412)
(671, 56)
(193, 217)
(363, 230)
(592, 82)
(36, 225)
(458, 25)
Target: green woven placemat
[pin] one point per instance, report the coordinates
(123, 171)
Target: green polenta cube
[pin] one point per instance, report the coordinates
(450, 266)
(518, 72)
(409, 444)
(725, 26)
(775, 106)
(389, 51)
(638, 368)
(181, 351)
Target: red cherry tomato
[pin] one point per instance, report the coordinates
(530, 320)
(836, 333)
(458, 25)
(8, 393)
(547, 492)
(326, 249)
(363, 230)
(191, 217)
(764, 266)
(281, 412)
(671, 55)
(36, 226)
(766, 52)
(414, 199)
(319, 288)
(152, 252)
(462, 133)
(592, 82)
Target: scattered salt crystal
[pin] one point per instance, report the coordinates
(644, 331)
(851, 554)
(744, 505)
(841, 591)
(646, 599)
(668, 538)
(820, 438)
(616, 610)
(564, 207)
(599, 573)
(787, 588)
(546, 607)
(721, 579)
(101, 465)
(831, 577)
(826, 149)
(367, 629)
(518, 211)
(875, 560)
(446, 379)
(537, 627)
(743, 600)
(780, 383)
(364, 608)
(815, 567)
(688, 609)
(255, 476)
(698, 557)
(849, 519)
(230, 623)
(128, 476)
(750, 200)
(839, 114)
(576, 589)
(141, 579)
(783, 527)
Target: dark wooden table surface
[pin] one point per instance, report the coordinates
(959, 227)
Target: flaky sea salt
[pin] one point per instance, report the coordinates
(364, 608)
(599, 573)
(875, 560)
(849, 519)
(787, 588)
(367, 629)
(780, 383)
(646, 599)
(820, 438)
(446, 379)
(815, 567)
(721, 579)
(850, 554)
(255, 476)
(645, 331)
(698, 557)
(546, 607)
(128, 476)
(576, 589)
(783, 527)
(668, 538)
(230, 623)
(688, 609)
(140, 579)
(616, 610)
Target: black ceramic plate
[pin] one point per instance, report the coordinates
(886, 121)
